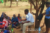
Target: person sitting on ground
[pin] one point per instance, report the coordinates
(9, 19)
(15, 21)
(2, 16)
(5, 21)
(19, 18)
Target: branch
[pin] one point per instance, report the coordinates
(31, 1)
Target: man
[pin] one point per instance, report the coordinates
(47, 17)
(29, 20)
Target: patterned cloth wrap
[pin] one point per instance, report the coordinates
(1, 25)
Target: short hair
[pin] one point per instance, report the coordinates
(26, 10)
(47, 3)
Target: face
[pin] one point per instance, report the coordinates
(26, 13)
(18, 15)
(4, 15)
(47, 5)
(14, 16)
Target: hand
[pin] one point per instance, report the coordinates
(22, 23)
(48, 15)
(32, 12)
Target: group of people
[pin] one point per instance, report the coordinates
(16, 21)
(6, 21)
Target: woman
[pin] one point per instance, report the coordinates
(2, 16)
(5, 21)
(14, 21)
(47, 17)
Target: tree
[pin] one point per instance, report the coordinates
(37, 22)
(4, 2)
(30, 7)
(11, 2)
(17, 2)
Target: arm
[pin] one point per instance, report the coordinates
(27, 21)
(33, 13)
(12, 20)
(44, 13)
(48, 14)
(24, 20)
(28, 17)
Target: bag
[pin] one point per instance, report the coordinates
(40, 16)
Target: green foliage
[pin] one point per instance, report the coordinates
(6, 0)
(0, 0)
(18, 0)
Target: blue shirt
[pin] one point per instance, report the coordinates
(14, 19)
(29, 17)
(0, 19)
(47, 12)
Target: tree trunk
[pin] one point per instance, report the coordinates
(17, 3)
(36, 23)
(30, 7)
(10, 3)
(4, 2)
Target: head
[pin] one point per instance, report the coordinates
(47, 4)
(14, 15)
(18, 15)
(26, 11)
(4, 15)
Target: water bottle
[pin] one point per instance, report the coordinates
(39, 29)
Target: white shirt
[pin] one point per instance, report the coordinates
(29, 17)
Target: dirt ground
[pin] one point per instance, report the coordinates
(19, 10)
